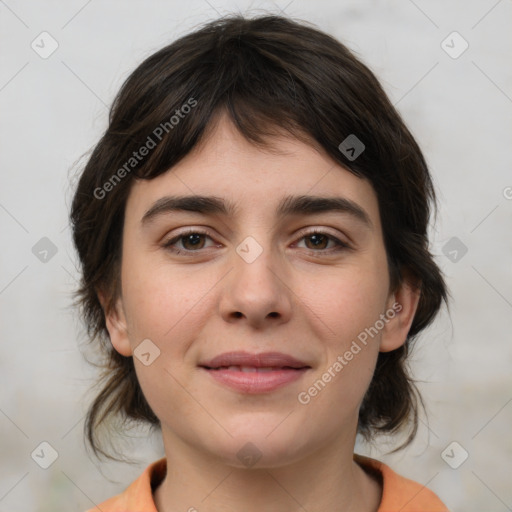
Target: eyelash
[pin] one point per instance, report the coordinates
(340, 246)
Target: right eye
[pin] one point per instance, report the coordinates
(190, 241)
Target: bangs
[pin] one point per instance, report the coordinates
(266, 88)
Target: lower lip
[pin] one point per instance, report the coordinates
(256, 382)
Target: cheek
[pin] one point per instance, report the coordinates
(161, 302)
(348, 309)
(351, 301)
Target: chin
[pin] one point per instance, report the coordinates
(261, 440)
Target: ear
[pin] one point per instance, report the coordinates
(116, 325)
(403, 303)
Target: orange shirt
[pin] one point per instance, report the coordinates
(399, 494)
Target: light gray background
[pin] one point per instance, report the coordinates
(54, 110)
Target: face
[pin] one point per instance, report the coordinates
(260, 277)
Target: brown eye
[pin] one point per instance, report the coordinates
(318, 242)
(191, 241)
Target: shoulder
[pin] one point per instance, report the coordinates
(139, 494)
(400, 493)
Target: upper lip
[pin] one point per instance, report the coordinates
(261, 360)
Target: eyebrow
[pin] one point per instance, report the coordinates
(288, 206)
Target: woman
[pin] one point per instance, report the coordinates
(252, 230)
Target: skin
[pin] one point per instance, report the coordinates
(295, 297)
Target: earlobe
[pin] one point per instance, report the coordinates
(402, 307)
(115, 321)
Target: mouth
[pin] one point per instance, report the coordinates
(252, 369)
(255, 373)
(267, 361)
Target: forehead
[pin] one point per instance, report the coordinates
(248, 177)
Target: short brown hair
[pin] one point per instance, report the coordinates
(266, 73)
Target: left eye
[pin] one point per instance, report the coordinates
(193, 241)
(319, 239)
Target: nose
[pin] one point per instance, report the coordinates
(256, 292)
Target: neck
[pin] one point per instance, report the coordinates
(329, 479)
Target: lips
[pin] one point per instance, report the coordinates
(255, 373)
(246, 362)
